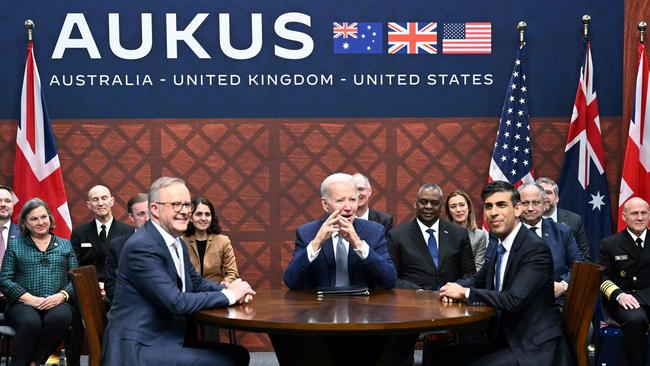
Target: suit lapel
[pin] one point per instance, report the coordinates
(418, 241)
(492, 263)
(443, 240)
(372, 216)
(171, 267)
(516, 244)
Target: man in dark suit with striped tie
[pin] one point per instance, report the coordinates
(626, 279)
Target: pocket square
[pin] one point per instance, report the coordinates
(86, 245)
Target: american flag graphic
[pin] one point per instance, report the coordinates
(37, 171)
(467, 38)
(412, 38)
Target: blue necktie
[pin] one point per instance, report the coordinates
(501, 250)
(433, 246)
(341, 257)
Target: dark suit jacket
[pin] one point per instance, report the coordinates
(146, 324)
(527, 317)
(574, 221)
(376, 271)
(381, 217)
(95, 254)
(413, 261)
(113, 252)
(14, 232)
(563, 247)
(626, 266)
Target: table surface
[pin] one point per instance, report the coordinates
(391, 311)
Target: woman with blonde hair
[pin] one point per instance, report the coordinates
(461, 212)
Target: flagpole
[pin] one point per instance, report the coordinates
(521, 26)
(29, 25)
(642, 28)
(586, 19)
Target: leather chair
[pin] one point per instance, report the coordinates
(579, 305)
(93, 313)
(6, 333)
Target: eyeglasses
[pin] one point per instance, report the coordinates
(178, 206)
(45, 261)
(529, 203)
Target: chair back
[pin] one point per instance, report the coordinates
(93, 312)
(579, 305)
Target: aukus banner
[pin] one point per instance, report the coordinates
(290, 58)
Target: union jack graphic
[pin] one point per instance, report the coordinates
(345, 30)
(410, 38)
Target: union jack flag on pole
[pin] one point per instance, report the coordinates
(583, 183)
(512, 158)
(635, 179)
(37, 170)
(412, 38)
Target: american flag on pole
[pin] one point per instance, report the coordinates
(37, 171)
(412, 38)
(635, 180)
(583, 183)
(512, 159)
(469, 38)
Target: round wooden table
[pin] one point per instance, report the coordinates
(390, 312)
(291, 316)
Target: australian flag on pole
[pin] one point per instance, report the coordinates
(37, 170)
(583, 183)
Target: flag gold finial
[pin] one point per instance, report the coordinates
(642, 28)
(29, 25)
(586, 19)
(521, 26)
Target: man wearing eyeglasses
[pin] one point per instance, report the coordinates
(90, 240)
(558, 237)
(363, 210)
(157, 288)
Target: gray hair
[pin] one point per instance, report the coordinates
(364, 178)
(540, 188)
(427, 186)
(161, 183)
(549, 181)
(30, 206)
(335, 178)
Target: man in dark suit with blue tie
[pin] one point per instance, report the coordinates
(157, 288)
(517, 279)
(558, 237)
(428, 251)
(338, 251)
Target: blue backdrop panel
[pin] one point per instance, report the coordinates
(434, 85)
